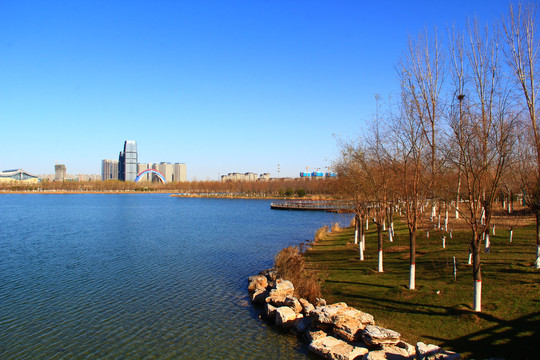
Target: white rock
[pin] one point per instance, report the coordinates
(314, 335)
(293, 303)
(434, 352)
(257, 282)
(375, 335)
(270, 311)
(306, 306)
(285, 316)
(334, 349)
(259, 296)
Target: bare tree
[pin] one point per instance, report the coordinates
(352, 184)
(409, 167)
(482, 139)
(522, 56)
(422, 79)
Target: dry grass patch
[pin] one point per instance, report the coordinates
(291, 265)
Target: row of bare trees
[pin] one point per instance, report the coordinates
(275, 187)
(463, 129)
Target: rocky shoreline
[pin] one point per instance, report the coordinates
(336, 331)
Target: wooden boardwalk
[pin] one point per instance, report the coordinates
(311, 205)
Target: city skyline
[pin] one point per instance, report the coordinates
(238, 86)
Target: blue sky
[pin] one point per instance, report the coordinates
(223, 86)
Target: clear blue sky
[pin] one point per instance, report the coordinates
(223, 86)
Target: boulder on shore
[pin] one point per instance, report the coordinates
(434, 352)
(293, 303)
(332, 348)
(307, 307)
(259, 296)
(282, 288)
(271, 274)
(270, 311)
(346, 322)
(285, 317)
(376, 335)
(257, 282)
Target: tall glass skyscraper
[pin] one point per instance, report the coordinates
(127, 169)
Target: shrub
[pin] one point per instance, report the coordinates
(319, 234)
(336, 227)
(291, 265)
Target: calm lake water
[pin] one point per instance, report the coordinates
(143, 276)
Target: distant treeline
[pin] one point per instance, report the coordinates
(274, 188)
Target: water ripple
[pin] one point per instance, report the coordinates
(139, 277)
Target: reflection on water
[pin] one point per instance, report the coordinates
(140, 276)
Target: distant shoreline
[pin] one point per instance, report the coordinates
(172, 194)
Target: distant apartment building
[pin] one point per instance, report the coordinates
(249, 176)
(109, 170)
(59, 172)
(171, 172)
(127, 168)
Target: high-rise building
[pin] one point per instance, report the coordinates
(109, 170)
(179, 172)
(59, 172)
(128, 161)
(127, 167)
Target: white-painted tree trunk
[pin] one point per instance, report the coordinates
(380, 268)
(537, 262)
(446, 224)
(356, 234)
(439, 222)
(483, 217)
(361, 249)
(384, 225)
(427, 234)
(455, 269)
(444, 242)
(493, 230)
(504, 204)
(450, 233)
(511, 235)
(412, 277)
(469, 262)
(390, 235)
(488, 243)
(364, 242)
(433, 213)
(478, 296)
(367, 224)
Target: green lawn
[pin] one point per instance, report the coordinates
(439, 310)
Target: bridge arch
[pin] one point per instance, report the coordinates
(153, 171)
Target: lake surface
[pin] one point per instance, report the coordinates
(142, 276)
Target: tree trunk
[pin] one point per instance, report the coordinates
(380, 238)
(356, 220)
(361, 245)
(412, 275)
(477, 271)
(537, 262)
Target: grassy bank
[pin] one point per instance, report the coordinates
(439, 311)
